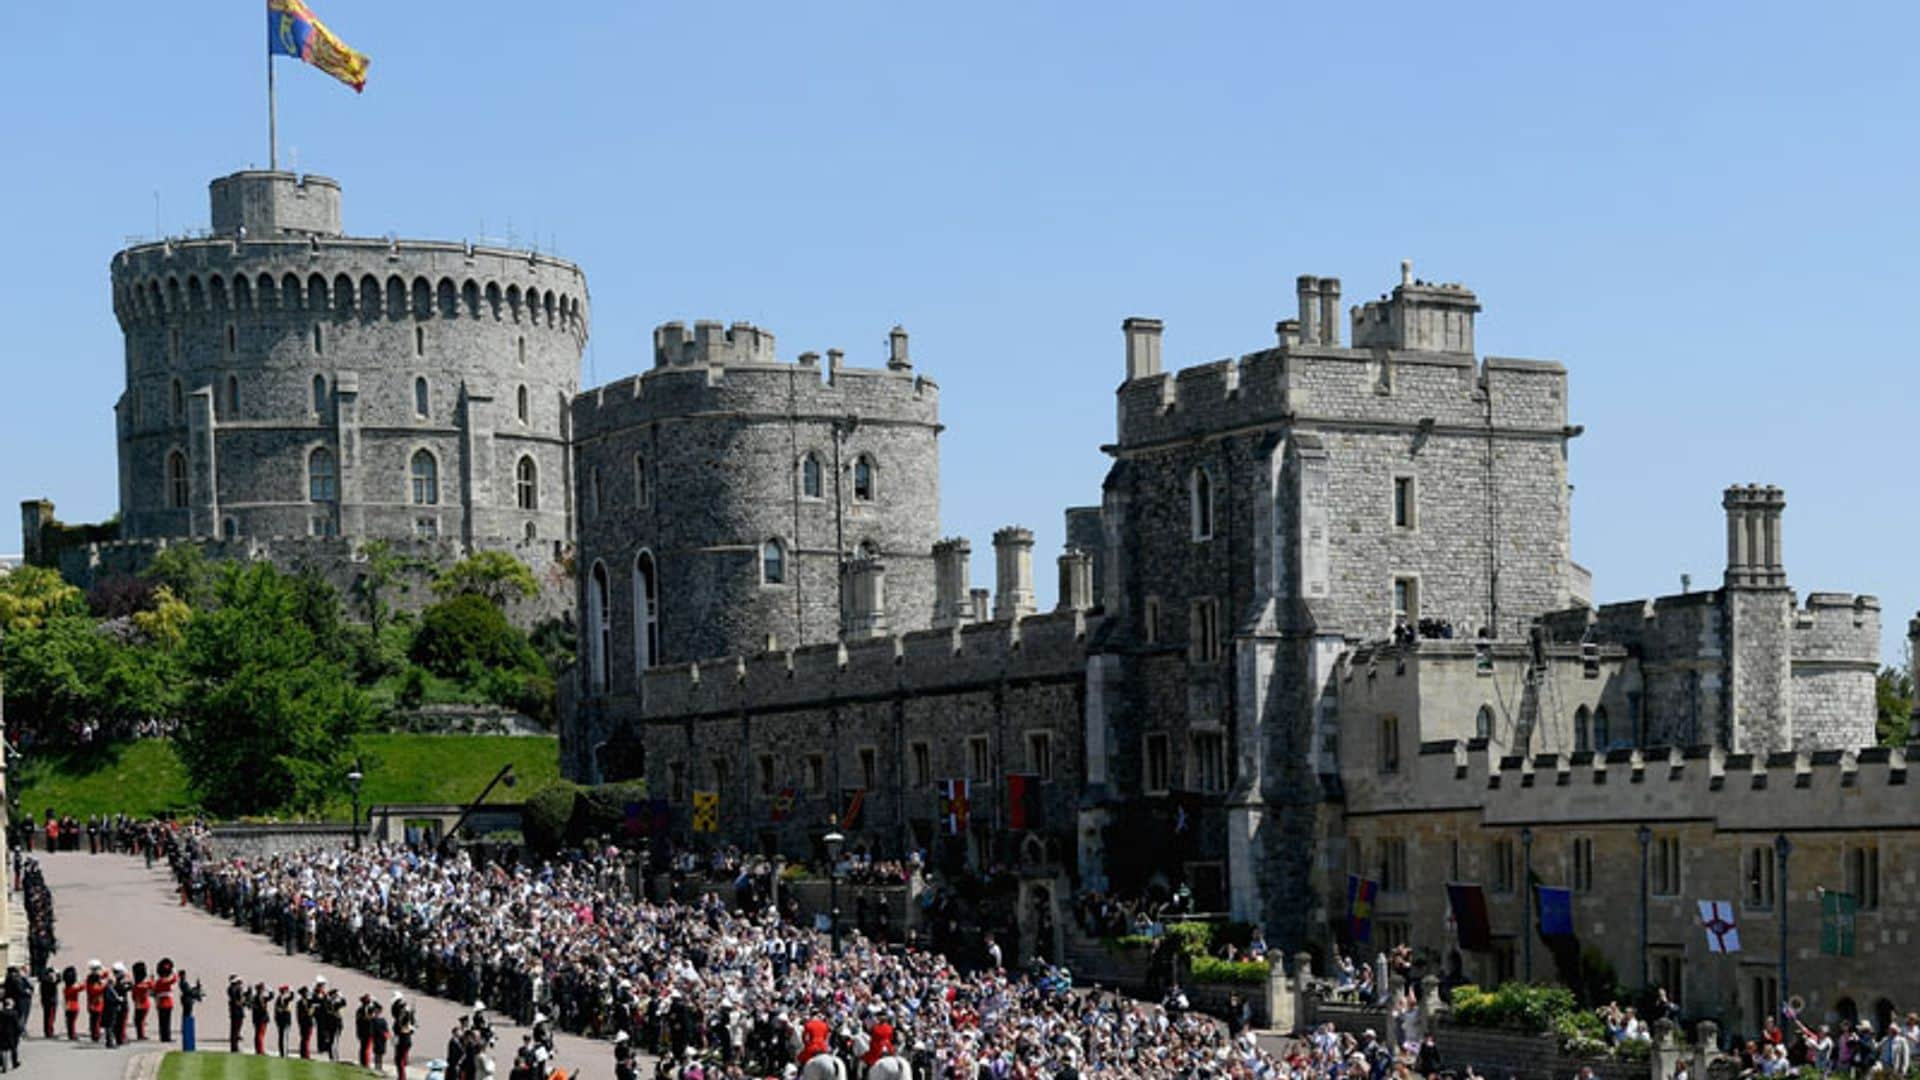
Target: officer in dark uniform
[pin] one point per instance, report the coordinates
(282, 1016)
(303, 1016)
(236, 1012)
(403, 1025)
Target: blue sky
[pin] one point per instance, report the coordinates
(1705, 210)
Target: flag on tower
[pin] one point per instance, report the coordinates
(1723, 934)
(782, 806)
(293, 30)
(706, 811)
(1360, 894)
(954, 805)
(1024, 808)
(1469, 906)
(1556, 911)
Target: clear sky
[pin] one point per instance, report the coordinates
(1705, 210)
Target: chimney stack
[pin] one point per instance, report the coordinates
(1143, 347)
(1013, 573)
(867, 612)
(1754, 558)
(897, 359)
(1076, 580)
(1307, 288)
(952, 606)
(1330, 311)
(981, 598)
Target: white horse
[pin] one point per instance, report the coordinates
(891, 1067)
(824, 1067)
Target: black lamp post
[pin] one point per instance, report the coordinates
(1526, 937)
(1645, 836)
(1782, 847)
(353, 785)
(834, 840)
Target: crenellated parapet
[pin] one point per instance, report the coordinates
(1838, 627)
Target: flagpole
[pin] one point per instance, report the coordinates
(273, 134)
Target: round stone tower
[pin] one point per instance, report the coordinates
(285, 381)
(731, 503)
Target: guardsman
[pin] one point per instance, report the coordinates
(236, 1012)
(260, 1005)
(363, 1029)
(142, 999)
(164, 980)
(303, 1017)
(70, 994)
(283, 1016)
(403, 1024)
(96, 998)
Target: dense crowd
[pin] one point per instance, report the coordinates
(37, 899)
(714, 992)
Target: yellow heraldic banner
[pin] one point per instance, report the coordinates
(293, 30)
(706, 811)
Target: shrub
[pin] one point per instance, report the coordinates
(1193, 938)
(547, 814)
(1580, 1034)
(1210, 969)
(1519, 1006)
(1634, 1050)
(465, 630)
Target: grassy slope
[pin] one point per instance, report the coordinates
(144, 778)
(249, 1067)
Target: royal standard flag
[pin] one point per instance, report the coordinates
(706, 811)
(292, 30)
(1360, 894)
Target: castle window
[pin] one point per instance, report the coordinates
(1863, 876)
(520, 404)
(322, 478)
(1040, 754)
(593, 492)
(766, 774)
(1403, 502)
(1664, 874)
(677, 781)
(426, 528)
(642, 491)
(979, 758)
(1200, 499)
(773, 563)
(233, 397)
(532, 532)
(1203, 631)
(1670, 973)
(320, 395)
(179, 402)
(177, 489)
(1502, 857)
(721, 773)
(1406, 601)
(646, 600)
(527, 484)
(810, 485)
(1602, 736)
(1389, 744)
(419, 341)
(420, 399)
(233, 343)
(816, 773)
(922, 756)
(1157, 766)
(863, 479)
(1393, 864)
(599, 629)
(1150, 620)
(520, 346)
(1581, 719)
(173, 343)
(1483, 723)
(1580, 868)
(317, 349)
(426, 479)
(321, 525)
(229, 529)
(1209, 764)
(869, 767)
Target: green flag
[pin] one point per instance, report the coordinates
(1836, 923)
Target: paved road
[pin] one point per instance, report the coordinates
(111, 907)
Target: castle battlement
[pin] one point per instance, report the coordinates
(1779, 791)
(1051, 645)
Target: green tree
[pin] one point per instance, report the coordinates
(52, 672)
(30, 595)
(383, 572)
(185, 570)
(1893, 701)
(457, 636)
(165, 623)
(494, 575)
(269, 711)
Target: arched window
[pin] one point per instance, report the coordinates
(642, 489)
(230, 528)
(177, 488)
(773, 563)
(233, 397)
(420, 401)
(426, 479)
(179, 402)
(599, 633)
(1200, 493)
(1483, 723)
(521, 404)
(863, 479)
(320, 395)
(526, 477)
(322, 479)
(1602, 737)
(810, 485)
(317, 348)
(646, 613)
(1581, 738)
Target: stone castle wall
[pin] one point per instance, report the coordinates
(249, 350)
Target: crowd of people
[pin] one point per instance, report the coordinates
(97, 834)
(37, 900)
(715, 992)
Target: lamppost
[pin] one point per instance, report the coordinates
(1526, 879)
(353, 785)
(1645, 836)
(833, 841)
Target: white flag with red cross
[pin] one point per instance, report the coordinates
(1723, 934)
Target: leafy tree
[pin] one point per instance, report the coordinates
(468, 632)
(30, 595)
(119, 596)
(269, 712)
(384, 572)
(186, 571)
(53, 669)
(164, 622)
(494, 575)
(1893, 701)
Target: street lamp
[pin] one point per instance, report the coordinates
(353, 785)
(1645, 836)
(834, 840)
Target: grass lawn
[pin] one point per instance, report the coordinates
(145, 778)
(251, 1067)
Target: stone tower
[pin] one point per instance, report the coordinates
(286, 380)
(726, 498)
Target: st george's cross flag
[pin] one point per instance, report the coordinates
(1723, 934)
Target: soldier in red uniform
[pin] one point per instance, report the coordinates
(142, 999)
(70, 992)
(164, 981)
(96, 998)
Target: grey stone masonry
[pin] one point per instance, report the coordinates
(284, 379)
